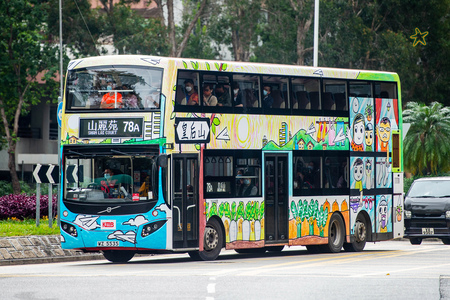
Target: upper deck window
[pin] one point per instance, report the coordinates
(121, 88)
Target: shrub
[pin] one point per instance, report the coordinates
(23, 206)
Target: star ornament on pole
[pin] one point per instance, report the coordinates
(419, 37)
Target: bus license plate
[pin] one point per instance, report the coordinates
(108, 244)
(427, 231)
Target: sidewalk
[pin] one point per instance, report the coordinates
(38, 249)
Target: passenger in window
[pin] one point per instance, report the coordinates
(111, 99)
(130, 98)
(247, 188)
(208, 98)
(223, 97)
(237, 95)
(312, 175)
(267, 100)
(191, 94)
(328, 180)
(152, 100)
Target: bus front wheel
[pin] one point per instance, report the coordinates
(212, 241)
(118, 256)
(336, 233)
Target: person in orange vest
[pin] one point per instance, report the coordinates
(109, 99)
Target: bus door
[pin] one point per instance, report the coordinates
(185, 188)
(276, 198)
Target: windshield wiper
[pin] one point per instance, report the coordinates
(444, 196)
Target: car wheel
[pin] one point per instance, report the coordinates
(415, 241)
(118, 256)
(212, 241)
(446, 241)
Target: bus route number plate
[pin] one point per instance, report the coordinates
(108, 244)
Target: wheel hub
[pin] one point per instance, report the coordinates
(211, 238)
(360, 231)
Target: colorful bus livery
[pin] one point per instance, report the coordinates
(281, 156)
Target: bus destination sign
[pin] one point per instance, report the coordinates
(107, 127)
(192, 130)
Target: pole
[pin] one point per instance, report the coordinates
(61, 87)
(50, 204)
(38, 203)
(316, 32)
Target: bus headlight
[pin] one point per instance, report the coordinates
(152, 227)
(447, 214)
(408, 214)
(70, 229)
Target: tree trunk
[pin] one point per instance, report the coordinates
(12, 168)
(303, 25)
(171, 23)
(12, 142)
(189, 29)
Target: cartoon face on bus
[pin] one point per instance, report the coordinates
(384, 133)
(358, 172)
(369, 136)
(357, 142)
(382, 212)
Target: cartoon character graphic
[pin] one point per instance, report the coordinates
(368, 170)
(331, 133)
(382, 214)
(358, 174)
(369, 137)
(384, 133)
(382, 171)
(357, 142)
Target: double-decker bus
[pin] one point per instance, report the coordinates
(184, 155)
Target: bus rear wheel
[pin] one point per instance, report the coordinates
(212, 241)
(360, 236)
(336, 234)
(118, 256)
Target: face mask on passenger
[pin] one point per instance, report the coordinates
(107, 175)
(109, 88)
(265, 93)
(188, 89)
(236, 91)
(247, 181)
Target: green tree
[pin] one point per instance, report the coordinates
(24, 55)
(426, 147)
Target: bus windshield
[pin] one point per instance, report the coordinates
(124, 88)
(110, 179)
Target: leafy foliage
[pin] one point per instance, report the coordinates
(426, 149)
(23, 206)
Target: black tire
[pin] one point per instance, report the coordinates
(360, 236)
(212, 241)
(275, 248)
(446, 241)
(336, 234)
(194, 255)
(314, 249)
(118, 256)
(415, 241)
(251, 251)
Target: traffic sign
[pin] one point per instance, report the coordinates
(46, 173)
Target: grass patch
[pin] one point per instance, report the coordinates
(16, 227)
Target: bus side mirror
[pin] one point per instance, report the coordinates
(161, 161)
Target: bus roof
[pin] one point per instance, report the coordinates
(234, 66)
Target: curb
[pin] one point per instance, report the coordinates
(36, 249)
